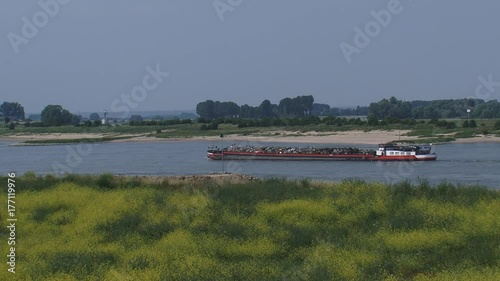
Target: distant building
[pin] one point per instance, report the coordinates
(105, 119)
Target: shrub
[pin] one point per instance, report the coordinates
(497, 125)
(211, 126)
(105, 181)
(409, 121)
(434, 121)
(442, 124)
(29, 174)
(472, 124)
(372, 120)
(451, 125)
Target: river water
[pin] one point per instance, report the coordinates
(477, 163)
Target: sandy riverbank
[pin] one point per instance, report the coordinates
(351, 137)
(62, 136)
(479, 139)
(347, 137)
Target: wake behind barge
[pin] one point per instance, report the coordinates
(385, 152)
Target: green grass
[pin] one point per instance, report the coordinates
(123, 129)
(426, 132)
(82, 227)
(82, 140)
(193, 130)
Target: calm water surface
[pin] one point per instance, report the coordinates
(459, 163)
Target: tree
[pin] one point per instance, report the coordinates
(431, 113)
(246, 111)
(12, 109)
(75, 120)
(285, 106)
(206, 109)
(320, 109)
(372, 120)
(297, 107)
(56, 115)
(94, 116)
(12, 126)
(266, 109)
(391, 108)
(210, 109)
(136, 118)
(307, 104)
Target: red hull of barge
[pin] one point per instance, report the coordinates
(298, 156)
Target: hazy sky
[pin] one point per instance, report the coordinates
(89, 55)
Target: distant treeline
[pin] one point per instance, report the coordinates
(392, 108)
(299, 106)
(281, 122)
(451, 108)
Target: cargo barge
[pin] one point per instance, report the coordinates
(385, 152)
